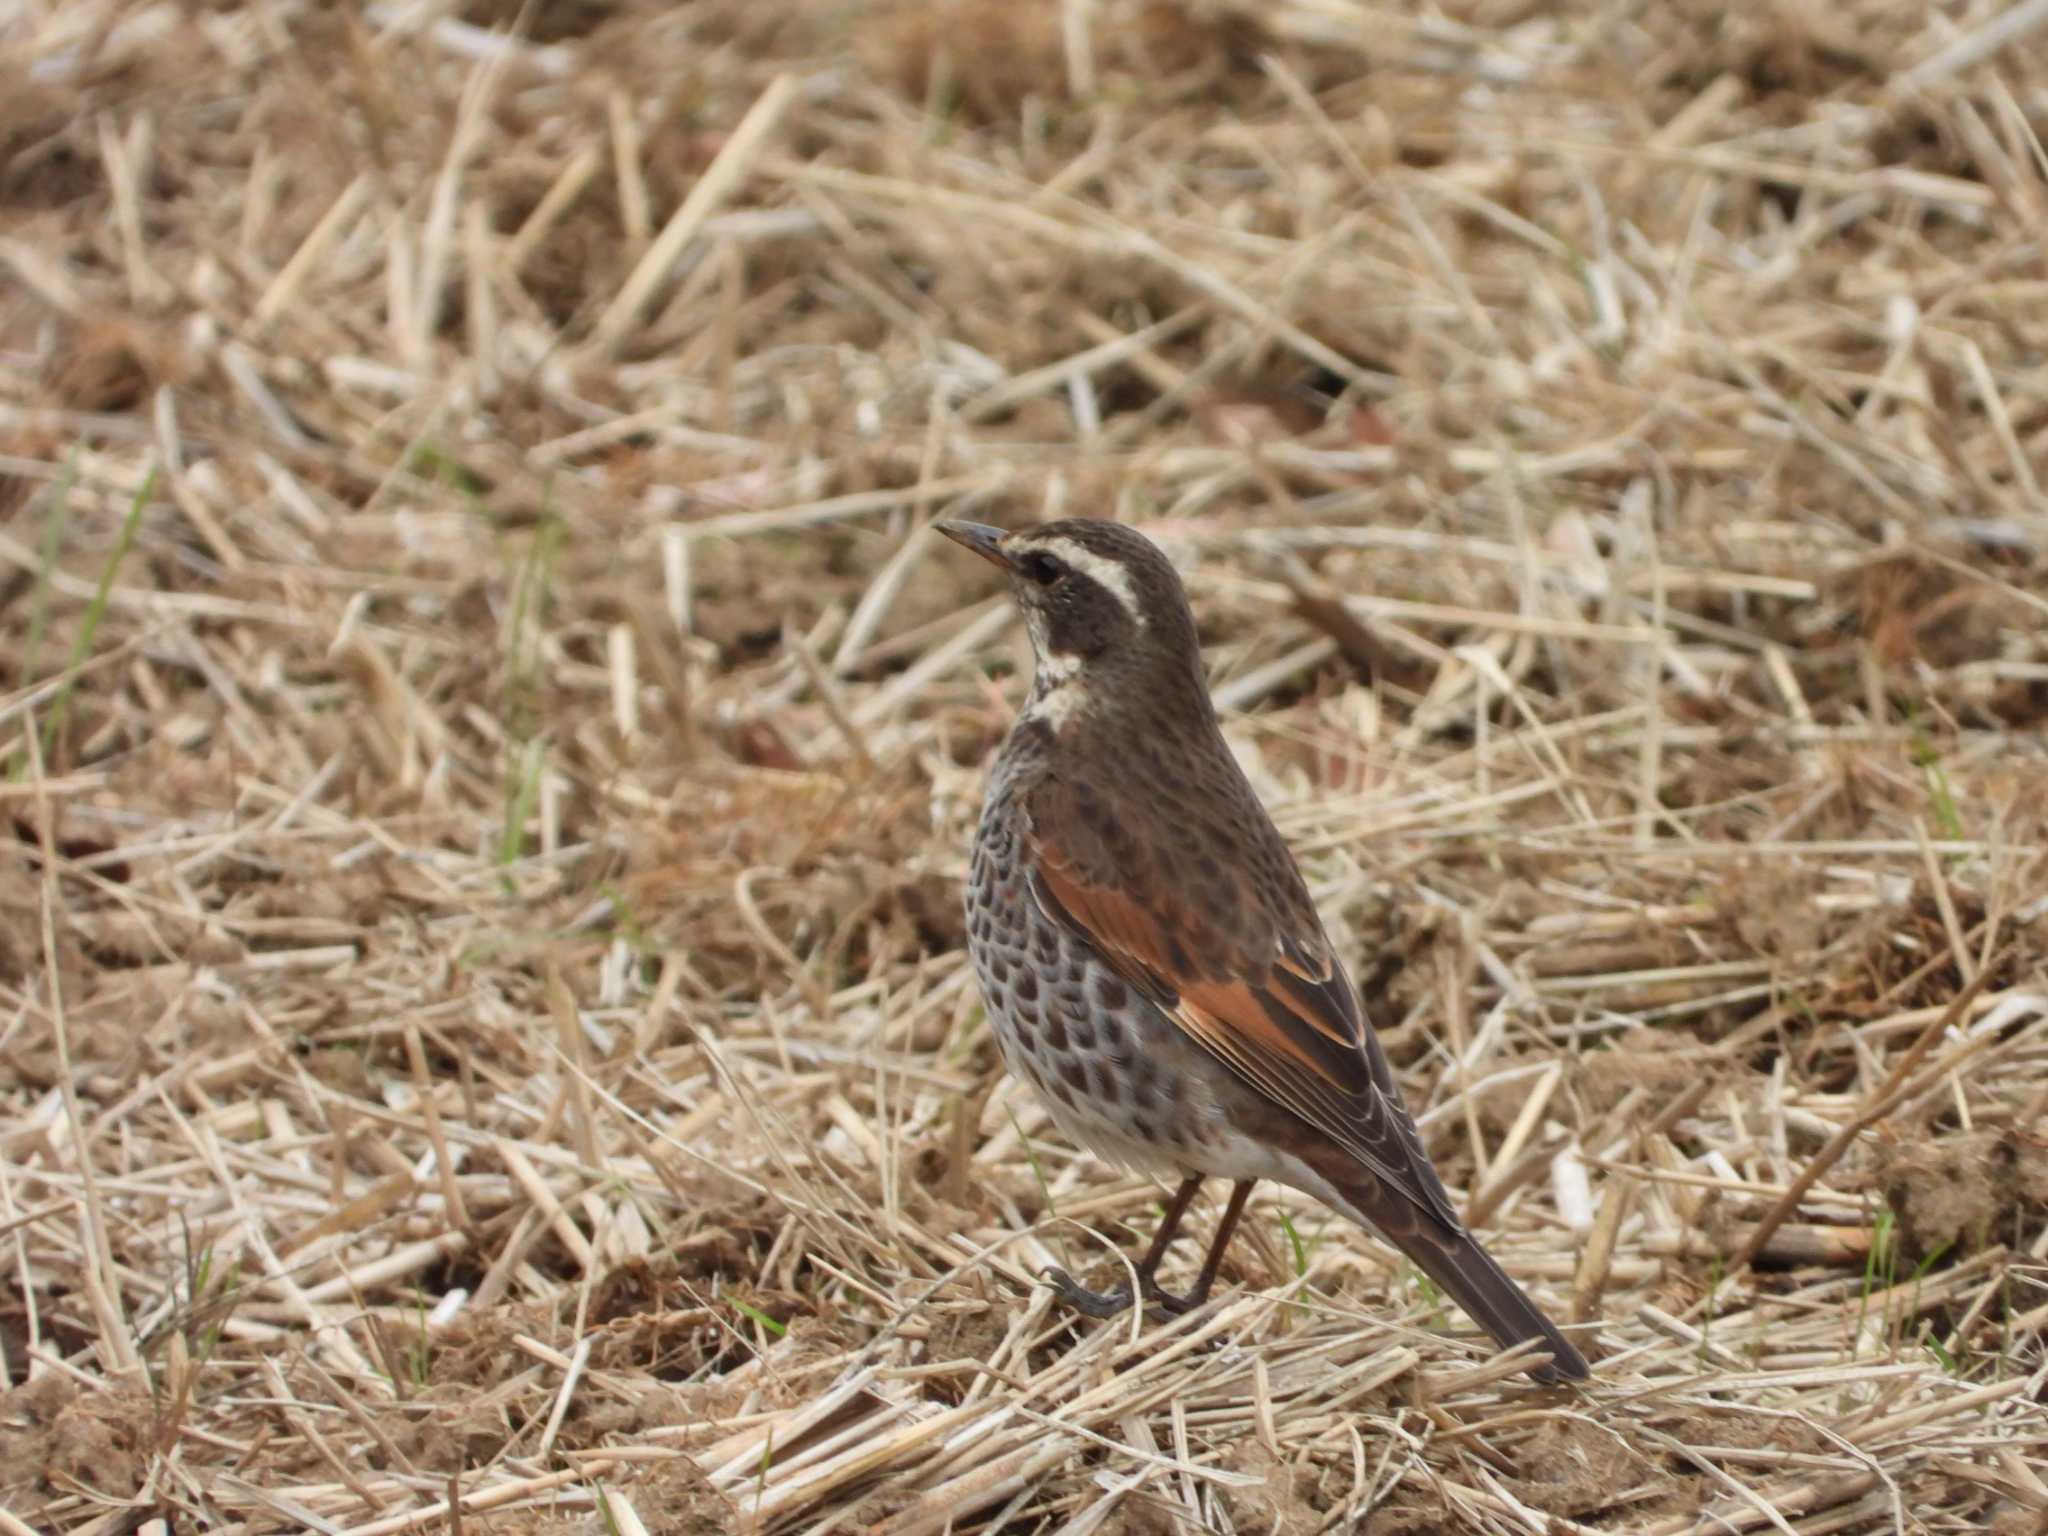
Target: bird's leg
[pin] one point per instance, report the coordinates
(1239, 1192)
(1109, 1303)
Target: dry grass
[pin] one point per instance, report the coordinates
(490, 750)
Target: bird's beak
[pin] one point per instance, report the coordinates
(985, 541)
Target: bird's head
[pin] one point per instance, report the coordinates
(1108, 617)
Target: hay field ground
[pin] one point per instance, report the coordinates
(490, 749)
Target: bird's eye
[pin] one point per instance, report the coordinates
(1041, 568)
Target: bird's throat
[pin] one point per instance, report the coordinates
(1060, 699)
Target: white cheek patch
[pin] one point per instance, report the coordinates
(1113, 577)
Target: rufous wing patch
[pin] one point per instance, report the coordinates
(1270, 1028)
(1234, 1022)
(1129, 937)
(1297, 1038)
(1322, 1002)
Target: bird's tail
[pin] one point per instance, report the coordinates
(1466, 1273)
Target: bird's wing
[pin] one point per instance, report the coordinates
(1286, 1022)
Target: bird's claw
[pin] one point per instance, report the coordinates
(1106, 1304)
(1093, 1303)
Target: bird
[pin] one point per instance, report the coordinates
(1148, 953)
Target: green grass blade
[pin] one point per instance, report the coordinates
(46, 571)
(520, 805)
(95, 612)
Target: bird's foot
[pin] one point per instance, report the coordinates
(1105, 1304)
(1170, 1304)
(1081, 1299)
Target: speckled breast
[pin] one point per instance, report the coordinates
(1102, 1055)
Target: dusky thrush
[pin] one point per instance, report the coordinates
(1148, 952)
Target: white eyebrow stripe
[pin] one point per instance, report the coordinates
(1111, 574)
